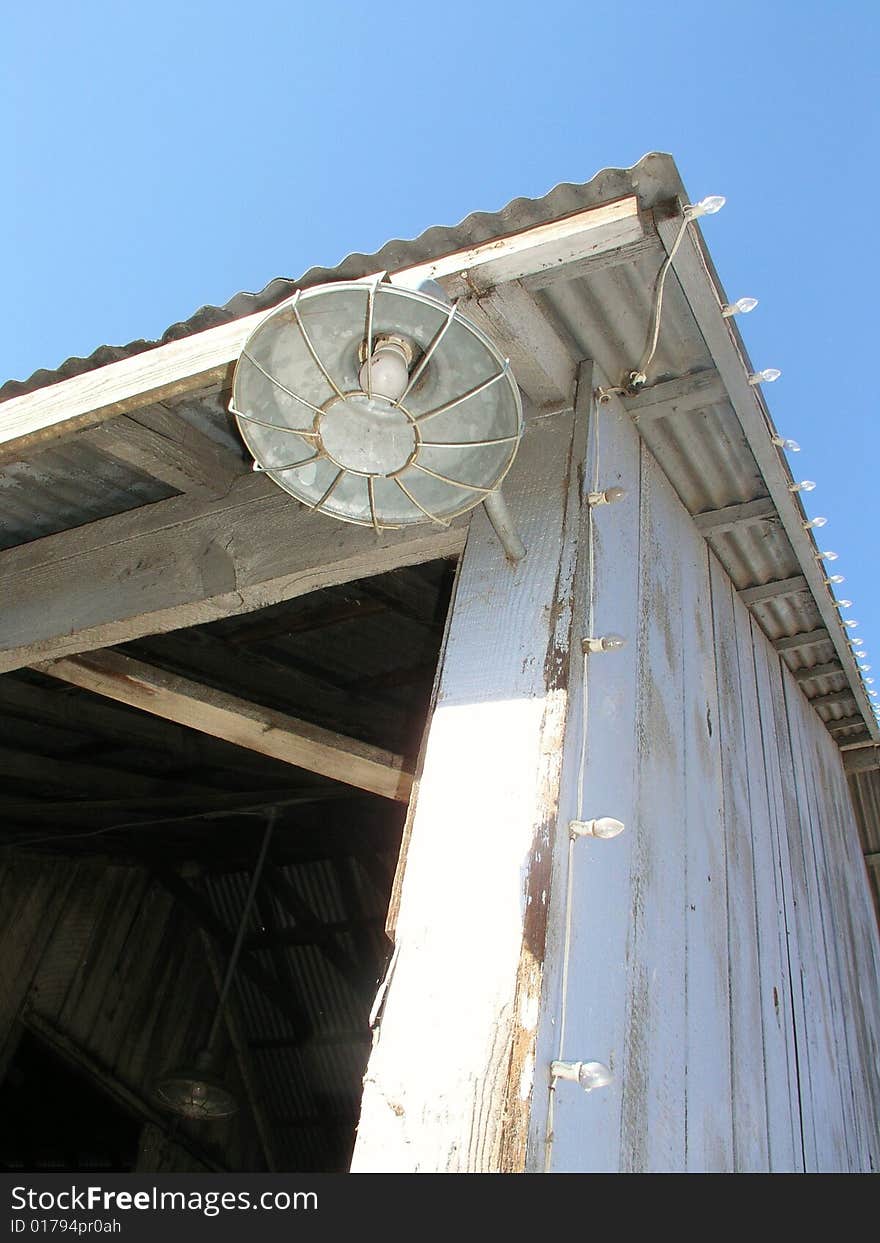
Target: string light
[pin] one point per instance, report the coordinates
(589, 1075)
(791, 445)
(827, 555)
(850, 622)
(742, 306)
(865, 668)
(814, 522)
(835, 578)
(843, 604)
(605, 827)
(767, 376)
(706, 207)
(805, 485)
(605, 643)
(608, 497)
(869, 681)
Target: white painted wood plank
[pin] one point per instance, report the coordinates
(823, 1083)
(778, 936)
(707, 981)
(587, 1126)
(778, 753)
(452, 1070)
(747, 1044)
(653, 1126)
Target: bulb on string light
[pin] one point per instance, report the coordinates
(767, 376)
(850, 622)
(604, 827)
(742, 306)
(604, 643)
(805, 485)
(791, 445)
(706, 207)
(865, 668)
(814, 522)
(870, 681)
(608, 497)
(834, 578)
(827, 555)
(843, 604)
(589, 1075)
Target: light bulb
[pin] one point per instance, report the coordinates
(865, 668)
(706, 207)
(873, 694)
(850, 622)
(386, 372)
(791, 445)
(767, 376)
(843, 604)
(870, 681)
(605, 643)
(805, 485)
(814, 522)
(742, 306)
(835, 578)
(605, 827)
(608, 497)
(827, 555)
(589, 1075)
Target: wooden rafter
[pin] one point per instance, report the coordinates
(247, 725)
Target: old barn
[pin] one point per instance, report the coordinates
(559, 861)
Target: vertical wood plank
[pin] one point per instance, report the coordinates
(461, 1010)
(587, 1126)
(741, 807)
(653, 1127)
(779, 963)
(707, 967)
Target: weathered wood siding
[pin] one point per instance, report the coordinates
(101, 963)
(724, 954)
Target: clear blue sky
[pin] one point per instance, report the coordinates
(161, 156)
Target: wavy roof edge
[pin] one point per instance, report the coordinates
(653, 179)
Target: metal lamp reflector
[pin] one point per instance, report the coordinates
(197, 1091)
(377, 404)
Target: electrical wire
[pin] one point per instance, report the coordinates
(640, 376)
(582, 763)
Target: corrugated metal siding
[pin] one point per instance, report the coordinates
(110, 963)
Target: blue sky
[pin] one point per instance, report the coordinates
(160, 157)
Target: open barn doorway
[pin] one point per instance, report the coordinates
(127, 850)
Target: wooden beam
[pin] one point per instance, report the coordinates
(833, 697)
(647, 247)
(771, 591)
(860, 759)
(872, 858)
(807, 638)
(235, 720)
(206, 358)
(96, 1071)
(540, 359)
(720, 521)
(158, 443)
(846, 722)
(828, 669)
(188, 560)
(78, 776)
(669, 398)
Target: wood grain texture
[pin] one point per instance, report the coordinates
(235, 720)
(451, 1076)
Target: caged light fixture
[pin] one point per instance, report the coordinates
(380, 405)
(198, 1091)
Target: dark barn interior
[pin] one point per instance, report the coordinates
(128, 846)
